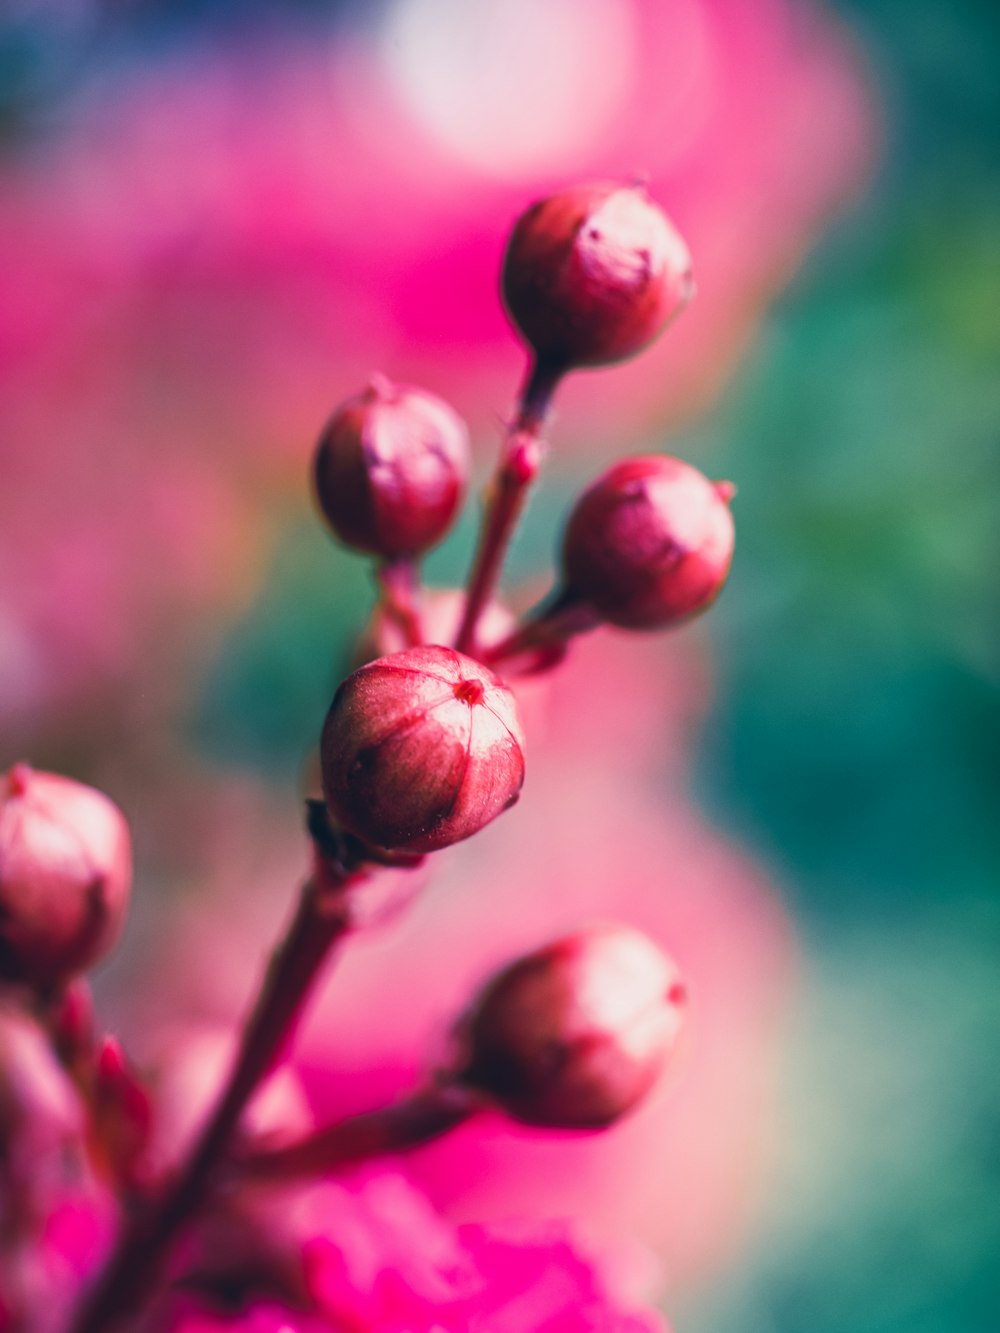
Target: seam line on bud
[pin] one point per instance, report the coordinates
(503, 724)
(395, 670)
(408, 721)
(460, 787)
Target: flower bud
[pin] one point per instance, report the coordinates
(421, 749)
(390, 469)
(65, 876)
(592, 274)
(122, 1116)
(650, 543)
(574, 1036)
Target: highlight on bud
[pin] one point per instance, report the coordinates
(65, 876)
(574, 1035)
(391, 468)
(591, 275)
(421, 749)
(650, 543)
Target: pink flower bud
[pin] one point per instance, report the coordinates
(121, 1115)
(574, 1036)
(591, 275)
(650, 543)
(420, 750)
(65, 876)
(391, 468)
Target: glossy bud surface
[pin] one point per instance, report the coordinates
(593, 274)
(650, 543)
(574, 1036)
(390, 469)
(65, 876)
(421, 749)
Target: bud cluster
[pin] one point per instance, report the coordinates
(421, 748)
(590, 276)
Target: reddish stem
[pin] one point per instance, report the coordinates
(520, 459)
(423, 1116)
(400, 590)
(322, 918)
(549, 628)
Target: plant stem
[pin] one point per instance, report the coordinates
(423, 1116)
(520, 459)
(321, 919)
(399, 587)
(546, 631)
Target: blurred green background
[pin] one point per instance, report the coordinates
(857, 737)
(854, 740)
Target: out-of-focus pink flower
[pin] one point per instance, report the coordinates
(351, 201)
(75, 1240)
(179, 310)
(56, 1220)
(377, 1258)
(263, 1318)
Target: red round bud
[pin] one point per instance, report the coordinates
(65, 876)
(593, 274)
(574, 1036)
(650, 543)
(390, 469)
(421, 749)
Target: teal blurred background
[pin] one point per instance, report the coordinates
(854, 737)
(857, 739)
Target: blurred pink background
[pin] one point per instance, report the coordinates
(204, 251)
(210, 248)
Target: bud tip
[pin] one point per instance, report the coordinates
(18, 779)
(470, 691)
(110, 1060)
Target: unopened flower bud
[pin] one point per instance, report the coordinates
(592, 274)
(65, 876)
(390, 469)
(421, 749)
(650, 543)
(574, 1036)
(121, 1114)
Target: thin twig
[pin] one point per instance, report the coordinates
(520, 459)
(420, 1118)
